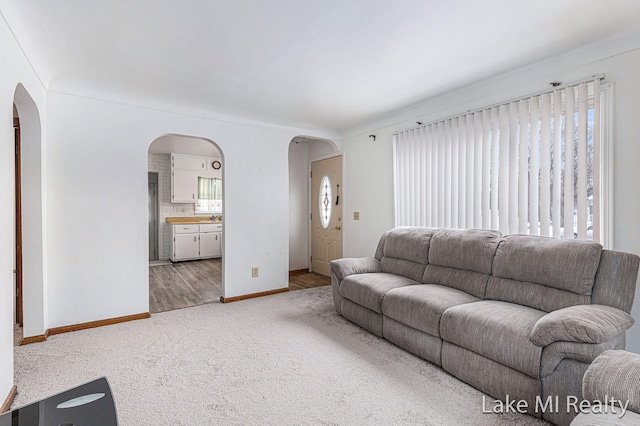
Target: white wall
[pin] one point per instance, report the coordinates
(14, 69)
(98, 157)
(298, 206)
(32, 213)
(319, 148)
(368, 180)
(370, 169)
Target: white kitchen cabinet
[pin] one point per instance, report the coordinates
(185, 170)
(188, 162)
(185, 241)
(210, 245)
(184, 186)
(210, 240)
(192, 241)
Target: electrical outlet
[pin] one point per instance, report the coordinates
(254, 272)
(356, 215)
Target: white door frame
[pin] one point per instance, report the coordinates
(342, 195)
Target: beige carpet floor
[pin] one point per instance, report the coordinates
(286, 359)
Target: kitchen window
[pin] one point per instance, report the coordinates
(209, 195)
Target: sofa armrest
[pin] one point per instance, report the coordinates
(555, 353)
(341, 268)
(614, 375)
(582, 324)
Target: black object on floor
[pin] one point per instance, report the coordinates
(88, 404)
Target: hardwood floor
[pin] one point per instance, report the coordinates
(17, 335)
(183, 284)
(300, 281)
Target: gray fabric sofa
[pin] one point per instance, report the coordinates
(519, 317)
(612, 385)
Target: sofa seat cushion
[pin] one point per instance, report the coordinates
(421, 306)
(368, 289)
(497, 330)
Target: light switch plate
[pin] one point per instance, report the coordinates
(356, 215)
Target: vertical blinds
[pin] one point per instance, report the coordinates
(530, 166)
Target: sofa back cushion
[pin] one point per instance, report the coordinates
(462, 259)
(380, 248)
(406, 251)
(544, 273)
(616, 280)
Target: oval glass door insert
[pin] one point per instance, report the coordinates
(325, 201)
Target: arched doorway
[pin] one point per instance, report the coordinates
(29, 248)
(186, 215)
(303, 152)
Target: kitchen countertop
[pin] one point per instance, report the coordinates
(192, 220)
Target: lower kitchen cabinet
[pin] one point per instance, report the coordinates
(185, 247)
(210, 240)
(186, 244)
(210, 244)
(196, 242)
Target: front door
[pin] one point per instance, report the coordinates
(326, 213)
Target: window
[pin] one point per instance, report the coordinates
(509, 167)
(325, 201)
(209, 195)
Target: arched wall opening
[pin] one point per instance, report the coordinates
(31, 214)
(167, 208)
(302, 151)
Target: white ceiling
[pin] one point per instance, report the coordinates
(329, 64)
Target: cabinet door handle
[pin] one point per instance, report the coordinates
(194, 239)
